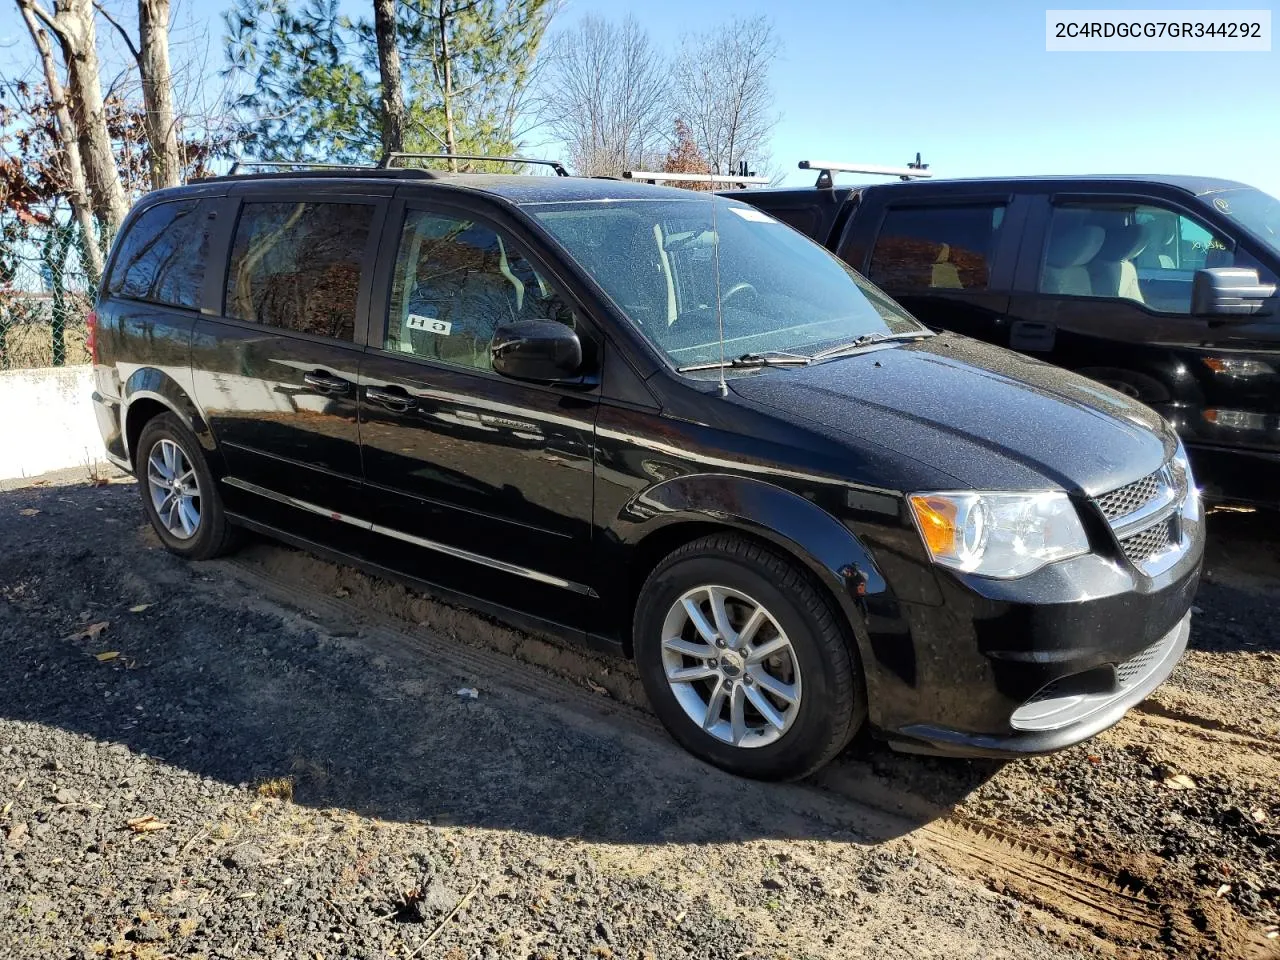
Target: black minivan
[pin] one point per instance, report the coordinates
(663, 424)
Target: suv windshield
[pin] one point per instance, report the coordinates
(779, 291)
(1259, 212)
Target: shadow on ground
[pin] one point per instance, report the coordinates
(193, 670)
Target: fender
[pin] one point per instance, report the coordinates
(800, 527)
(149, 383)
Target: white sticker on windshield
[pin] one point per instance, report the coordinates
(417, 321)
(754, 215)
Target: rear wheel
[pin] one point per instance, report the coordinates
(744, 661)
(179, 494)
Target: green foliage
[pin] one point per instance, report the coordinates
(310, 75)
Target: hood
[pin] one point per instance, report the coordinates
(991, 418)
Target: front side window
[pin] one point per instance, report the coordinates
(162, 256)
(660, 260)
(936, 248)
(456, 281)
(1128, 251)
(296, 265)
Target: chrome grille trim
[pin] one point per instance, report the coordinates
(1145, 517)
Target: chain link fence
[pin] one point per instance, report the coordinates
(44, 300)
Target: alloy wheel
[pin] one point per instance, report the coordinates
(731, 666)
(175, 489)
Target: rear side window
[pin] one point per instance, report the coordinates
(936, 248)
(162, 256)
(296, 265)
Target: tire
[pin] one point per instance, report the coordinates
(210, 535)
(818, 667)
(1137, 386)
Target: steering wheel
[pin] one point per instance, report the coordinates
(740, 287)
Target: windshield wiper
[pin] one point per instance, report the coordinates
(867, 339)
(768, 358)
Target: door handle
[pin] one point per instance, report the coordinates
(393, 398)
(325, 382)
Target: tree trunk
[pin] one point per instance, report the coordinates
(77, 188)
(74, 26)
(157, 92)
(384, 20)
(446, 71)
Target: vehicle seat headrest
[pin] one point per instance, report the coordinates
(1075, 246)
(1125, 243)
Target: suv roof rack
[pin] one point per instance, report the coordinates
(388, 162)
(654, 176)
(385, 168)
(914, 170)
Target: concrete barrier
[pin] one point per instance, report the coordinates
(47, 421)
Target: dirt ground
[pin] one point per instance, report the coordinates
(320, 787)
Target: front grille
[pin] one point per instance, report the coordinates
(1155, 503)
(1145, 544)
(1132, 496)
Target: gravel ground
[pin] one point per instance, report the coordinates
(191, 769)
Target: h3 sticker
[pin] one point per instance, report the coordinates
(417, 321)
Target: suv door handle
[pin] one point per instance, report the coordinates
(393, 398)
(325, 382)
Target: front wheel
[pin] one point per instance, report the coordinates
(179, 493)
(744, 661)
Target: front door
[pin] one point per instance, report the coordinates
(1111, 298)
(479, 483)
(276, 372)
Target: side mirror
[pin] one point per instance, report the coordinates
(1228, 292)
(542, 350)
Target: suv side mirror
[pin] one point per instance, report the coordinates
(1228, 292)
(542, 350)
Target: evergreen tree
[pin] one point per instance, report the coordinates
(312, 87)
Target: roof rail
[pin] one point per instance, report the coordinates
(306, 164)
(654, 176)
(388, 162)
(914, 170)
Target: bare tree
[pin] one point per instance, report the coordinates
(77, 188)
(72, 22)
(151, 53)
(157, 92)
(393, 117)
(722, 87)
(604, 94)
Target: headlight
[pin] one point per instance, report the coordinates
(1001, 535)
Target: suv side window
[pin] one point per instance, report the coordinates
(296, 265)
(936, 248)
(456, 281)
(162, 256)
(1128, 250)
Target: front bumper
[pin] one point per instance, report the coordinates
(1013, 667)
(1055, 722)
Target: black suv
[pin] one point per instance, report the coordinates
(663, 424)
(1163, 288)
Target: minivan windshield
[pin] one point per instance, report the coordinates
(781, 295)
(1258, 212)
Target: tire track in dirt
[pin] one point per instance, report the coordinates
(1113, 908)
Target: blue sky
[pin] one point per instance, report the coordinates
(967, 84)
(970, 86)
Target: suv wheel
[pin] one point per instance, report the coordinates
(744, 661)
(178, 491)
